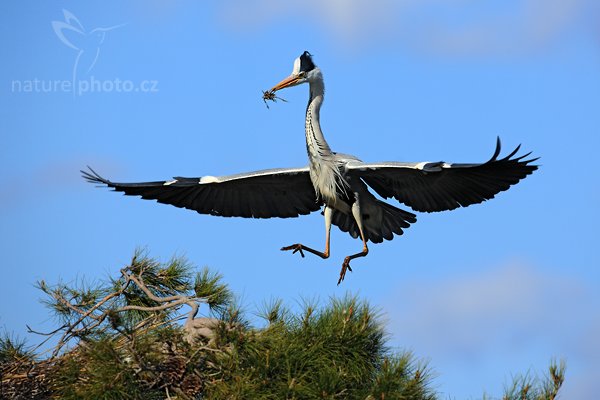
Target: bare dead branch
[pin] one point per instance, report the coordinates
(94, 318)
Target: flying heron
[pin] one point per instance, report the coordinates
(337, 182)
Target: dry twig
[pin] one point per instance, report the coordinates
(270, 95)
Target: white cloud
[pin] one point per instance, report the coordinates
(448, 27)
(471, 310)
(506, 314)
(346, 20)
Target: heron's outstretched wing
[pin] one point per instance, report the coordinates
(285, 192)
(439, 186)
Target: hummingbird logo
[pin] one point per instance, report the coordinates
(86, 43)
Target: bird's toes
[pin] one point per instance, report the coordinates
(345, 267)
(295, 247)
(342, 276)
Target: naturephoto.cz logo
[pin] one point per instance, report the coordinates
(87, 46)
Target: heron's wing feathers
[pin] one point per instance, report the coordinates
(439, 186)
(285, 192)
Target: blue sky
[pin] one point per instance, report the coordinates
(482, 292)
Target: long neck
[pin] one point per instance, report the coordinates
(316, 145)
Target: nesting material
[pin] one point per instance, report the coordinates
(270, 95)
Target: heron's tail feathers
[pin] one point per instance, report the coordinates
(390, 221)
(380, 221)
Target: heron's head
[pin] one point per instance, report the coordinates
(304, 71)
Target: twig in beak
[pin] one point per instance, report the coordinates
(270, 95)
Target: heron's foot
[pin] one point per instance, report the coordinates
(295, 247)
(345, 266)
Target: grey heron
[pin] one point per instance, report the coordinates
(337, 182)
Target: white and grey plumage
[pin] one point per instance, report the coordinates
(338, 182)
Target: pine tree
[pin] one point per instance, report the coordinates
(160, 331)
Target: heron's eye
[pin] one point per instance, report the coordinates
(302, 74)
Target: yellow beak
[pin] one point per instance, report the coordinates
(287, 82)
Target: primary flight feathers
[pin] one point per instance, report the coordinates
(289, 192)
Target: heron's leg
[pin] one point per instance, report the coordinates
(300, 247)
(358, 218)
